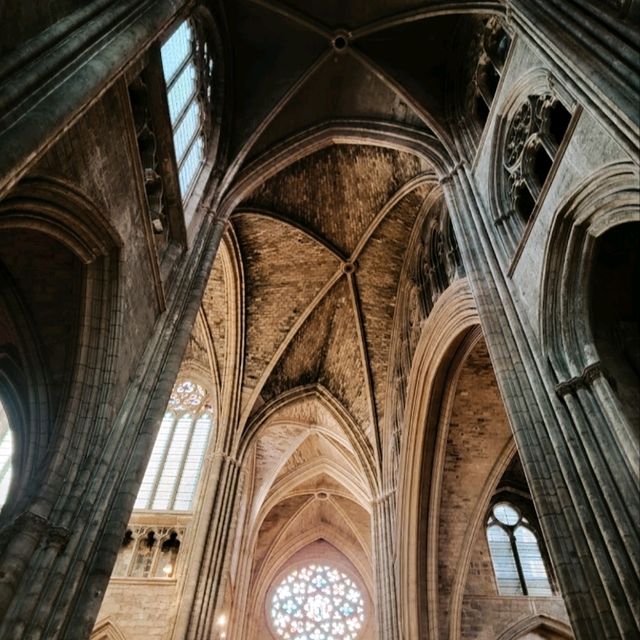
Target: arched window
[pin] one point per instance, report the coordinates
(533, 138)
(6, 451)
(317, 602)
(173, 470)
(188, 69)
(515, 553)
(172, 108)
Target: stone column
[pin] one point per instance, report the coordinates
(204, 590)
(575, 490)
(384, 566)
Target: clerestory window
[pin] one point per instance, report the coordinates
(6, 451)
(173, 470)
(188, 68)
(172, 106)
(515, 552)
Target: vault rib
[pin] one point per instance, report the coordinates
(433, 11)
(355, 532)
(295, 16)
(203, 321)
(280, 105)
(279, 217)
(284, 344)
(368, 381)
(404, 95)
(404, 190)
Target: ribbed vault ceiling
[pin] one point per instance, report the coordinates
(300, 309)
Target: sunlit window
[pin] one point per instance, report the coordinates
(317, 602)
(173, 470)
(515, 553)
(184, 95)
(6, 451)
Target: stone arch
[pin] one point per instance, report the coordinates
(370, 133)
(23, 392)
(599, 204)
(317, 392)
(65, 437)
(58, 210)
(453, 318)
(540, 622)
(107, 630)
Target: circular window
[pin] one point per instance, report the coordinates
(505, 513)
(317, 603)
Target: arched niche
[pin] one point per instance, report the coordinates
(614, 311)
(58, 298)
(590, 259)
(107, 630)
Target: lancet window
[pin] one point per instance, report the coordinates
(188, 67)
(515, 553)
(173, 470)
(172, 104)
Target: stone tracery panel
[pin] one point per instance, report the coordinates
(532, 139)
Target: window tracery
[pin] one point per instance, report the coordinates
(515, 553)
(493, 44)
(532, 139)
(317, 602)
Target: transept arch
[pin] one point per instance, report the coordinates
(453, 318)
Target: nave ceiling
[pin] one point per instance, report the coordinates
(312, 309)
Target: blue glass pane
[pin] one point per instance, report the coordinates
(182, 91)
(6, 451)
(193, 464)
(175, 51)
(185, 132)
(191, 165)
(148, 486)
(163, 498)
(504, 564)
(535, 574)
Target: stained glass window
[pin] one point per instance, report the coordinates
(515, 553)
(317, 602)
(185, 109)
(6, 451)
(173, 470)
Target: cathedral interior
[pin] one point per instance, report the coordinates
(319, 320)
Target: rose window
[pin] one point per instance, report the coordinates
(317, 603)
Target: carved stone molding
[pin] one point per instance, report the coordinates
(583, 381)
